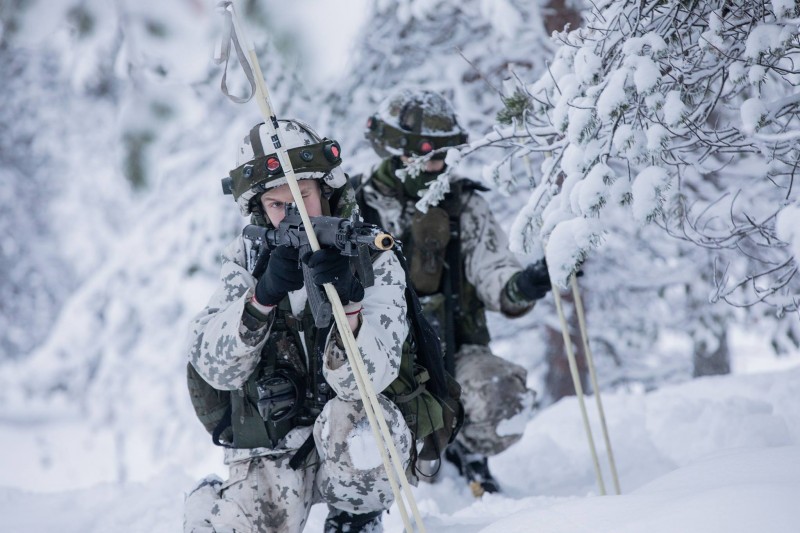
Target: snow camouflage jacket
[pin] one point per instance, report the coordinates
(225, 352)
(487, 263)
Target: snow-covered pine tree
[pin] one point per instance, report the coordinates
(61, 203)
(673, 109)
(679, 113)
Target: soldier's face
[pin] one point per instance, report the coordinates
(274, 200)
(434, 165)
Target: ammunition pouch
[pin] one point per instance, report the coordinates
(433, 420)
(452, 420)
(430, 233)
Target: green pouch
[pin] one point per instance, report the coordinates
(430, 233)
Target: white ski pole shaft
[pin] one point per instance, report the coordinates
(576, 379)
(579, 309)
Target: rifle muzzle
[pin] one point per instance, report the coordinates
(384, 241)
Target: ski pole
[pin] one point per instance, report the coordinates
(573, 368)
(593, 374)
(369, 399)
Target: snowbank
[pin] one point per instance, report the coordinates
(714, 454)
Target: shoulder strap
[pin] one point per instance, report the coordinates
(467, 184)
(429, 349)
(368, 213)
(451, 284)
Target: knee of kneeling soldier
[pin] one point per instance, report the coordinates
(351, 474)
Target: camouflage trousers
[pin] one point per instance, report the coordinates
(497, 402)
(264, 494)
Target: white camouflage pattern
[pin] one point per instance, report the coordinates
(489, 264)
(262, 493)
(493, 392)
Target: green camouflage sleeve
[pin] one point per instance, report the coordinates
(489, 264)
(381, 336)
(223, 349)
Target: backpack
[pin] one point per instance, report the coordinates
(212, 407)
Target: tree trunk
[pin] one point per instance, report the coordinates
(712, 360)
(558, 379)
(557, 15)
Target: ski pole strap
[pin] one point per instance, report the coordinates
(224, 52)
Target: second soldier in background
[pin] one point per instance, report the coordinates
(460, 266)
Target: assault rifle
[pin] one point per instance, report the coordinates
(280, 396)
(351, 236)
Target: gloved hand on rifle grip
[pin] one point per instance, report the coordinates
(283, 275)
(534, 282)
(328, 265)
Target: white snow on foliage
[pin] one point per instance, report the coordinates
(674, 108)
(587, 65)
(592, 192)
(503, 16)
(784, 9)
(613, 96)
(648, 192)
(753, 114)
(763, 39)
(787, 227)
(568, 246)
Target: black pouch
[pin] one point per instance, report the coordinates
(280, 396)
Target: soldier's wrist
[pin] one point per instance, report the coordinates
(512, 292)
(255, 314)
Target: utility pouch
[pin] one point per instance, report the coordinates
(452, 419)
(279, 396)
(430, 233)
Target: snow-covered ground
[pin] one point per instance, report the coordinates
(714, 454)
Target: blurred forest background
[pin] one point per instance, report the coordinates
(114, 136)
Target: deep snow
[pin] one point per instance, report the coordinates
(714, 454)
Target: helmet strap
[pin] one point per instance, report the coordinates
(255, 141)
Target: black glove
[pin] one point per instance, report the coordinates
(328, 265)
(534, 282)
(283, 274)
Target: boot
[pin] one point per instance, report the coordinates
(339, 521)
(472, 466)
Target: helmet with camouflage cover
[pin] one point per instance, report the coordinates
(413, 122)
(259, 169)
